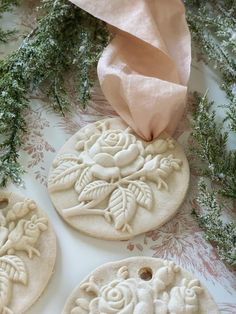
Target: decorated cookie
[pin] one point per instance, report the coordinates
(111, 184)
(140, 285)
(27, 253)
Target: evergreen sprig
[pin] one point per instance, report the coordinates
(210, 146)
(66, 37)
(213, 29)
(218, 163)
(222, 234)
(6, 5)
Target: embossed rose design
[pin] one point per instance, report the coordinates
(115, 297)
(111, 172)
(127, 295)
(113, 154)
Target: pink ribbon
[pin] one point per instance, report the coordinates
(144, 71)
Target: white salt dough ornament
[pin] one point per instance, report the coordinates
(111, 184)
(27, 252)
(140, 285)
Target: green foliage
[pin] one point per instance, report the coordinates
(218, 163)
(6, 5)
(210, 146)
(213, 29)
(212, 24)
(66, 38)
(222, 234)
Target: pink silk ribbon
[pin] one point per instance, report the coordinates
(144, 70)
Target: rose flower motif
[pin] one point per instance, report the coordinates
(116, 297)
(113, 154)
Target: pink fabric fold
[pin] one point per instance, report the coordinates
(144, 71)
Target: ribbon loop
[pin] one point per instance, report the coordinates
(145, 69)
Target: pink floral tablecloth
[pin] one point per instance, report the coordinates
(180, 240)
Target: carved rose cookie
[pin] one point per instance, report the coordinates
(27, 253)
(109, 183)
(140, 285)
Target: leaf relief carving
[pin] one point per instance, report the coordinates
(123, 206)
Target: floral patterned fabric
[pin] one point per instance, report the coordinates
(180, 240)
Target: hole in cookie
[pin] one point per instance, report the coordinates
(3, 202)
(145, 273)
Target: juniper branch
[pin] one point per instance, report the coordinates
(213, 27)
(45, 55)
(222, 234)
(210, 146)
(5, 6)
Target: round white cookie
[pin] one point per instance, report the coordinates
(27, 252)
(140, 285)
(109, 183)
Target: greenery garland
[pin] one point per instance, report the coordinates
(222, 234)
(6, 5)
(212, 26)
(210, 146)
(66, 38)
